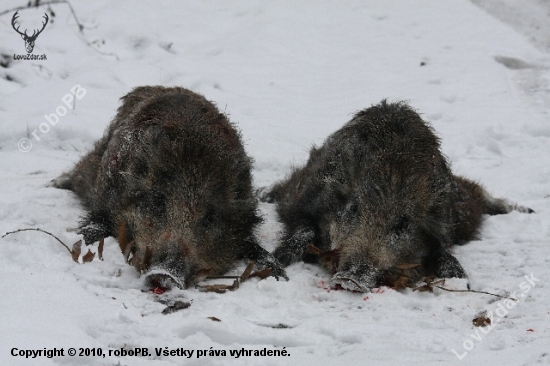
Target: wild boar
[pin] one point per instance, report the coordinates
(378, 196)
(171, 180)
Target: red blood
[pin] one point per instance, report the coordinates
(157, 290)
(365, 298)
(323, 285)
(530, 330)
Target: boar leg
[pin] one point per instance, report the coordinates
(264, 259)
(294, 248)
(443, 264)
(95, 226)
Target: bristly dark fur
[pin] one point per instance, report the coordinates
(380, 194)
(172, 174)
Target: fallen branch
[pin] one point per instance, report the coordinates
(479, 292)
(431, 282)
(220, 289)
(75, 252)
(237, 280)
(44, 231)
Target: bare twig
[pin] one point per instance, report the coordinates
(37, 229)
(219, 288)
(431, 282)
(479, 292)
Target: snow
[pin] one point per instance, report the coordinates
(288, 73)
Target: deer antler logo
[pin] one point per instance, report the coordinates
(29, 40)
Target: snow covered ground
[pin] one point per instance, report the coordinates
(288, 73)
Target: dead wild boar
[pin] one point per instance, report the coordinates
(171, 180)
(378, 196)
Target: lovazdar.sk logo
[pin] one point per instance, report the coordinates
(29, 39)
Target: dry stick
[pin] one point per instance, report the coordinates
(479, 292)
(44, 231)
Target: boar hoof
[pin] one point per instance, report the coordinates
(447, 266)
(270, 262)
(278, 272)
